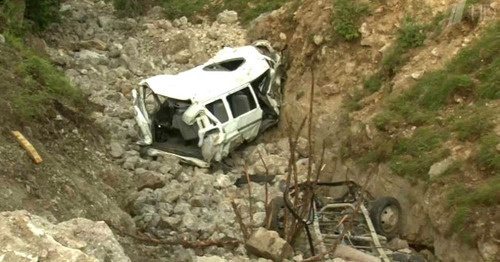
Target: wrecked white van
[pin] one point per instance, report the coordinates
(200, 115)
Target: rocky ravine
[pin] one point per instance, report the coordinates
(107, 56)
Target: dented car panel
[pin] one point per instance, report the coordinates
(206, 112)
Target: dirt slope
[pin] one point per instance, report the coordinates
(304, 30)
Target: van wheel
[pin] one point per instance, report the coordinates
(386, 216)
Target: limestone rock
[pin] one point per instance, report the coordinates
(87, 56)
(2, 39)
(397, 244)
(149, 179)
(210, 259)
(26, 237)
(227, 17)
(116, 150)
(268, 244)
(439, 168)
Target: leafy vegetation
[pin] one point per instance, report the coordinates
(131, 7)
(488, 156)
(464, 199)
(373, 83)
(472, 124)
(346, 16)
(42, 12)
(410, 35)
(43, 84)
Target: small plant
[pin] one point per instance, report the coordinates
(42, 12)
(466, 199)
(438, 88)
(346, 16)
(373, 83)
(488, 156)
(386, 119)
(411, 34)
(472, 125)
(42, 85)
(176, 8)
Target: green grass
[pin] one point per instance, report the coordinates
(43, 84)
(373, 83)
(409, 36)
(413, 156)
(438, 88)
(423, 140)
(472, 124)
(465, 199)
(346, 18)
(488, 156)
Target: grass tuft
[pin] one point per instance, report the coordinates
(488, 156)
(346, 16)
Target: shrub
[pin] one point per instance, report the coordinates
(43, 84)
(411, 34)
(373, 83)
(176, 8)
(346, 16)
(42, 12)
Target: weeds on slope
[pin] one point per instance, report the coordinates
(346, 17)
(43, 85)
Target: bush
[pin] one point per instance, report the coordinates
(43, 85)
(373, 83)
(176, 8)
(346, 16)
(132, 7)
(42, 12)
(411, 34)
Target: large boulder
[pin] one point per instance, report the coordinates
(26, 237)
(268, 244)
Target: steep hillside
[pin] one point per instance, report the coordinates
(409, 91)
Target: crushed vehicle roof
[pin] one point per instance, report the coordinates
(200, 84)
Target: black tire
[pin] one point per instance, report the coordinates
(386, 216)
(272, 221)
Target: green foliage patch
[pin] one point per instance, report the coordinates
(43, 84)
(346, 17)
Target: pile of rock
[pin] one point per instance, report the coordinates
(26, 237)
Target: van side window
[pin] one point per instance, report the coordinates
(241, 102)
(218, 109)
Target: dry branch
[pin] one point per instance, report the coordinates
(239, 219)
(250, 209)
(183, 242)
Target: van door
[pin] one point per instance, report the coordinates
(246, 112)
